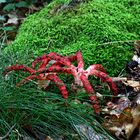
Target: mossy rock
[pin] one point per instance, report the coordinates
(86, 27)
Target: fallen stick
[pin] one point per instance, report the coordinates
(116, 79)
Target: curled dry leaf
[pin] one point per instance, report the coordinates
(12, 21)
(134, 84)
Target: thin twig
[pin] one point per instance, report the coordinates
(8, 133)
(115, 42)
(115, 79)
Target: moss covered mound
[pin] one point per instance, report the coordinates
(86, 27)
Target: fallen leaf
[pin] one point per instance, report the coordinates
(12, 21)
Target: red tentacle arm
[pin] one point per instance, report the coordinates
(105, 78)
(59, 83)
(39, 59)
(19, 67)
(63, 60)
(61, 70)
(77, 57)
(86, 84)
(95, 67)
(43, 65)
(80, 61)
(91, 92)
(25, 80)
(72, 58)
(53, 55)
(60, 61)
(45, 60)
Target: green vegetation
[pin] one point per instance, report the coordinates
(87, 27)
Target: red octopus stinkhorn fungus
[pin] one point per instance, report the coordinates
(63, 64)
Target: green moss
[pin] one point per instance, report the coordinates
(83, 27)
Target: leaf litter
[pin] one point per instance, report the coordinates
(122, 116)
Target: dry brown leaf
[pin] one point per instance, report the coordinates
(12, 21)
(42, 84)
(124, 124)
(132, 83)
